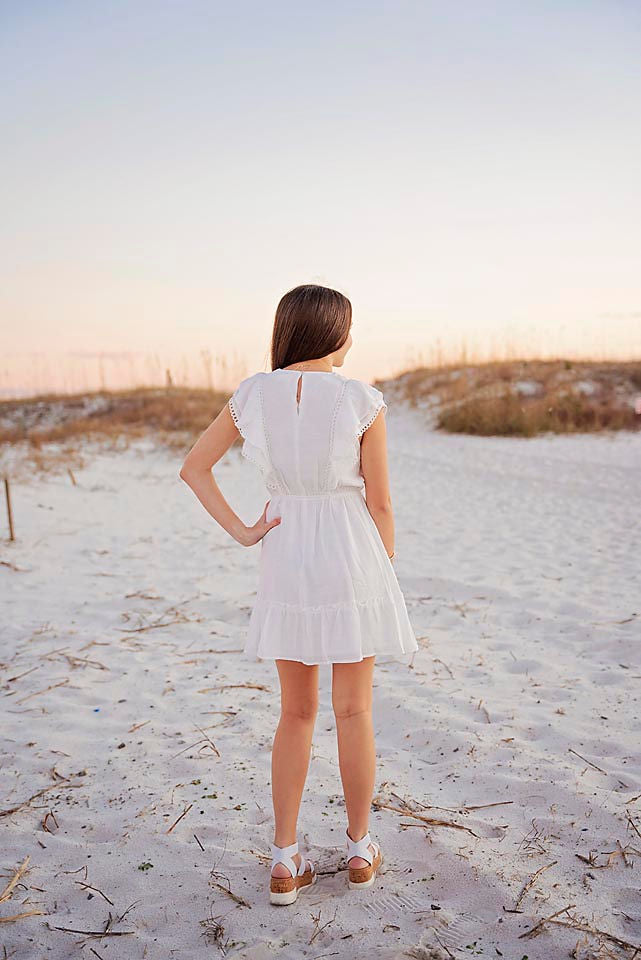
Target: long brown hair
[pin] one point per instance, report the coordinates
(311, 322)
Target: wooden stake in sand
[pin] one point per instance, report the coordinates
(7, 495)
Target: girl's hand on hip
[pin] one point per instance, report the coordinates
(260, 528)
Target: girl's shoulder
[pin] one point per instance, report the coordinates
(363, 391)
(364, 402)
(243, 401)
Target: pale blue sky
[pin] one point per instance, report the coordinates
(462, 171)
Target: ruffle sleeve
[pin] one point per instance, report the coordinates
(360, 405)
(366, 403)
(246, 408)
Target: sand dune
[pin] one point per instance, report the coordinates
(508, 749)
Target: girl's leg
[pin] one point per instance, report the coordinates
(352, 702)
(291, 749)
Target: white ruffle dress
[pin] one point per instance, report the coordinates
(327, 590)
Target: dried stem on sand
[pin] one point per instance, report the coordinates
(406, 811)
(575, 924)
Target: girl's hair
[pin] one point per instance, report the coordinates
(310, 322)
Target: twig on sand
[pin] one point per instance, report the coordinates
(25, 803)
(137, 726)
(317, 924)
(128, 910)
(21, 916)
(480, 706)
(94, 933)
(214, 931)
(574, 924)
(178, 617)
(74, 661)
(107, 931)
(20, 675)
(38, 693)
(214, 882)
(515, 908)
(15, 879)
(438, 660)
(12, 566)
(633, 824)
(430, 821)
(536, 929)
(88, 886)
(585, 760)
(209, 740)
(441, 944)
(152, 626)
(484, 806)
(235, 686)
(45, 825)
(183, 814)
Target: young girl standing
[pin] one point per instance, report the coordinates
(327, 589)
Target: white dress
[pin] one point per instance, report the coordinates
(327, 590)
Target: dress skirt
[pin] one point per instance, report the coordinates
(327, 590)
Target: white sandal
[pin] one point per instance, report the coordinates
(283, 890)
(362, 877)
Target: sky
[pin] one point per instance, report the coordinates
(467, 173)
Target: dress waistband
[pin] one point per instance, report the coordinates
(339, 492)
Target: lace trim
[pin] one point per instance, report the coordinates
(248, 456)
(379, 406)
(332, 430)
(345, 605)
(261, 461)
(234, 413)
(268, 448)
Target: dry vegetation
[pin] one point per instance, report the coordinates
(173, 414)
(509, 398)
(528, 397)
(51, 433)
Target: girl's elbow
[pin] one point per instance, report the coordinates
(380, 506)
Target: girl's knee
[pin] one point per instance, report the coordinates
(302, 711)
(347, 707)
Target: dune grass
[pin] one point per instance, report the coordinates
(529, 397)
(173, 414)
(502, 398)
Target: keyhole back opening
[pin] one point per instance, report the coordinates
(299, 387)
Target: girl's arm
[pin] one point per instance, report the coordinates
(196, 471)
(376, 475)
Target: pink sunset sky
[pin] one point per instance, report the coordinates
(465, 173)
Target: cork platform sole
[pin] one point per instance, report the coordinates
(286, 890)
(362, 877)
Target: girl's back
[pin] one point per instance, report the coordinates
(303, 429)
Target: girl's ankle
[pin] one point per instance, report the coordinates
(357, 835)
(281, 872)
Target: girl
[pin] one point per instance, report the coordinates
(327, 590)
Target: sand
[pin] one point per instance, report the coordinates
(508, 785)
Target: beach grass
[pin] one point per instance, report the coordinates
(529, 397)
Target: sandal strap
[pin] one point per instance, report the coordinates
(284, 855)
(359, 848)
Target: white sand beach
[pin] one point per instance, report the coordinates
(136, 737)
